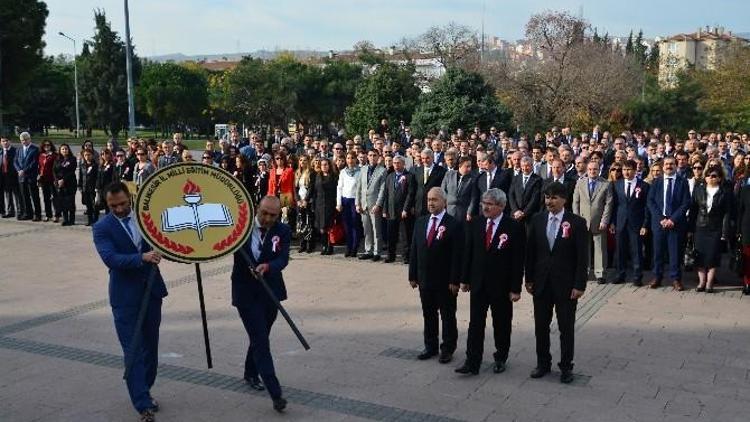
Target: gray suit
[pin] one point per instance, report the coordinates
(596, 209)
(459, 201)
(366, 197)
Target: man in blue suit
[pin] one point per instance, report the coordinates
(630, 222)
(268, 247)
(668, 203)
(130, 260)
(27, 166)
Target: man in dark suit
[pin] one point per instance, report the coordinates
(268, 247)
(493, 270)
(435, 267)
(668, 203)
(9, 191)
(491, 176)
(460, 190)
(428, 175)
(557, 255)
(525, 193)
(629, 222)
(557, 174)
(130, 261)
(397, 202)
(27, 166)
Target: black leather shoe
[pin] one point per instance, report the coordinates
(601, 280)
(499, 367)
(746, 290)
(375, 258)
(700, 289)
(618, 281)
(638, 283)
(467, 369)
(255, 383)
(389, 260)
(539, 372)
(445, 357)
(8, 215)
(566, 377)
(365, 256)
(279, 404)
(427, 354)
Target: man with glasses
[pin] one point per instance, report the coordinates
(592, 200)
(630, 222)
(27, 166)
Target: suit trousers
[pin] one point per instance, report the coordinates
(32, 206)
(502, 320)
(629, 248)
(51, 200)
(565, 308)
(146, 358)
(351, 223)
(670, 241)
(12, 193)
(393, 235)
(258, 320)
(599, 243)
(372, 224)
(440, 300)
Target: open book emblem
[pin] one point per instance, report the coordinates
(195, 215)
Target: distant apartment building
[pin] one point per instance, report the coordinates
(702, 49)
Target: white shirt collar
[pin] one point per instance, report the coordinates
(559, 215)
(438, 216)
(497, 220)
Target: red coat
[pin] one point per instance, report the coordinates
(46, 167)
(285, 183)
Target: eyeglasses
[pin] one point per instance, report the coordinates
(713, 176)
(697, 168)
(337, 148)
(615, 170)
(206, 157)
(140, 153)
(277, 158)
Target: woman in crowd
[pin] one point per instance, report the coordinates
(260, 183)
(743, 232)
(281, 185)
(88, 172)
(345, 195)
(46, 179)
(323, 197)
(65, 182)
(303, 180)
(697, 178)
(186, 156)
(105, 176)
(143, 168)
(710, 215)
(243, 171)
(123, 169)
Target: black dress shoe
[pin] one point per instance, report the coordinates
(389, 260)
(427, 354)
(638, 283)
(406, 262)
(255, 383)
(700, 289)
(566, 377)
(499, 367)
(365, 256)
(601, 280)
(279, 404)
(709, 289)
(445, 357)
(467, 369)
(746, 290)
(8, 215)
(618, 281)
(375, 258)
(539, 372)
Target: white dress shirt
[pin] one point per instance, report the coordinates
(437, 223)
(132, 229)
(666, 187)
(495, 220)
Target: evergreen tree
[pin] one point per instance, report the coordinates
(639, 49)
(629, 45)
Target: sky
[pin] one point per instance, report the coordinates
(196, 27)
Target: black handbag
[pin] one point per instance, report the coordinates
(690, 254)
(737, 258)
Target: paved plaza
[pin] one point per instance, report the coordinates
(641, 355)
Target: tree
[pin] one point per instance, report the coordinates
(726, 95)
(50, 96)
(640, 50)
(629, 44)
(339, 84)
(390, 92)
(652, 64)
(173, 95)
(103, 82)
(22, 25)
(452, 44)
(459, 99)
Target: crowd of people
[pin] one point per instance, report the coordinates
(682, 202)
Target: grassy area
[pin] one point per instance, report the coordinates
(100, 138)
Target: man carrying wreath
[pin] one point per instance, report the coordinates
(556, 272)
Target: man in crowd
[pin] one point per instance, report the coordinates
(493, 271)
(629, 218)
(435, 268)
(491, 176)
(525, 193)
(371, 184)
(9, 188)
(428, 175)
(170, 156)
(27, 167)
(460, 190)
(592, 200)
(397, 201)
(556, 266)
(557, 174)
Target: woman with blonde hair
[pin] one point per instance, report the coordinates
(304, 178)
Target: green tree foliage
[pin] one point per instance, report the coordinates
(629, 44)
(674, 110)
(50, 96)
(22, 25)
(173, 94)
(727, 97)
(390, 92)
(102, 79)
(459, 99)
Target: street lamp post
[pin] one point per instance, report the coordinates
(75, 76)
(129, 70)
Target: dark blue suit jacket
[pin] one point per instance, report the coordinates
(630, 211)
(29, 164)
(245, 289)
(127, 271)
(680, 202)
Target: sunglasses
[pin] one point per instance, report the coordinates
(140, 153)
(206, 157)
(120, 155)
(697, 168)
(713, 176)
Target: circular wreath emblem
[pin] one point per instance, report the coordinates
(193, 212)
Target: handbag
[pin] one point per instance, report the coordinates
(690, 254)
(737, 258)
(336, 233)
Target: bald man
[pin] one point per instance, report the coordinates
(268, 247)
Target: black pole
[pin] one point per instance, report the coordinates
(273, 297)
(199, 278)
(137, 334)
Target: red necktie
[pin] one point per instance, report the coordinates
(488, 235)
(433, 231)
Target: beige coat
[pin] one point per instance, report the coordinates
(598, 208)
